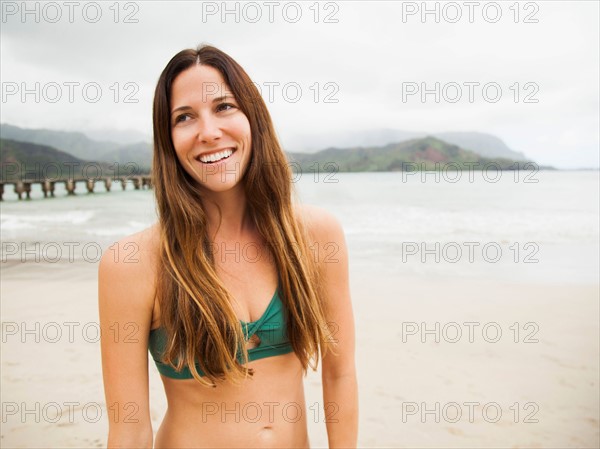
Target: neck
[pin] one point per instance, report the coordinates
(235, 220)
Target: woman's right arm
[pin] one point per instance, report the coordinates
(125, 301)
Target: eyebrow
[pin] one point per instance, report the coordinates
(215, 100)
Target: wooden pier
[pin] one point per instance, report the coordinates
(23, 187)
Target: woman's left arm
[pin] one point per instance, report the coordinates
(340, 387)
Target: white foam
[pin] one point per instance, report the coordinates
(69, 217)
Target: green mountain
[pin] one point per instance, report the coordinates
(74, 143)
(79, 145)
(483, 144)
(20, 155)
(26, 160)
(486, 145)
(422, 154)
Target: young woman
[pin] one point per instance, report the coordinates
(235, 290)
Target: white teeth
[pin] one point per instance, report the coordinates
(217, 156)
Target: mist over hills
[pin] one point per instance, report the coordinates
(26, 160)
(38, 145)
(120, 136)
(139, 153)
(486, 145)
(101, 142)
(428, 153)
(81, 146)
(75, 143)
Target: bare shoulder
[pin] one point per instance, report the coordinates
(322, 225)
(328, 242)
(128, 266)
(133, 252)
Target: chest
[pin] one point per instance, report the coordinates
(250, 275)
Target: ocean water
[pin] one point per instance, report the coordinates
(395, 224)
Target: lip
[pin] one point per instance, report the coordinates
(208, 153)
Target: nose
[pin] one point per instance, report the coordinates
(208, 129)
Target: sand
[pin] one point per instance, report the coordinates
(540, 391)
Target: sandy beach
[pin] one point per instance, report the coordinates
(485, 382)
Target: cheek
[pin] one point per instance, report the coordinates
(243, 129)
(181, 142)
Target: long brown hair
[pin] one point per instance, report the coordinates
(195, 306)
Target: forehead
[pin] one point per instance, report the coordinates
(199, 83)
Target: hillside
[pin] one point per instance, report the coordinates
(75, 143)
(424, 152)
(26, 160)
(125, 149)
(79, 145)
(486, 145)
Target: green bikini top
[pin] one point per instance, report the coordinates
(270, 328)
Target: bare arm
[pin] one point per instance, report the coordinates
(125, 300)
(340, 386)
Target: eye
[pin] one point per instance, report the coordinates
(181, 118)
(222, 106)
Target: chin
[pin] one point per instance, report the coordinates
(217, 187)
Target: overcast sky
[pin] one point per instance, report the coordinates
(374, 55)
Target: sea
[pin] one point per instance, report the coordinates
(517, 226)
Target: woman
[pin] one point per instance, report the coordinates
(196, 288)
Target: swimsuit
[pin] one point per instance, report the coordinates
(271, 329)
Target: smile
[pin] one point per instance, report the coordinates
(216, 157)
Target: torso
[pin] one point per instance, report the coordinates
(268, 409)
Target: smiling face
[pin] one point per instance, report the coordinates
(211, 135)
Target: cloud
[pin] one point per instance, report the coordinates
(363, 60)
